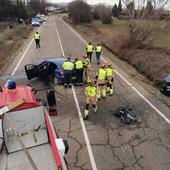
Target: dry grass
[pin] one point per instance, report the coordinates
(153, 63)
(10, 41)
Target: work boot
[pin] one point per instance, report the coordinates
(86, 114)
(65, 85)
(111, 92)
(108, 90)
(104, 93)
(95, 109)
(98, 96)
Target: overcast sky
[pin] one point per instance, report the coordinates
(109, 2)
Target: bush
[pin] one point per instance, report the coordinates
(79, 12)
(103, 13)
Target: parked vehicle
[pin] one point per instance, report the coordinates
(165, 85)
(41, 19)
(35, 22)
(48, 69)
(26, 123)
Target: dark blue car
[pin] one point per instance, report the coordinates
(165, 85)
(50, 69)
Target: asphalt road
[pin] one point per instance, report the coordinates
(112, 144)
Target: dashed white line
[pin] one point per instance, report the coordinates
(123, 78)
(23, 55)
(91, 156)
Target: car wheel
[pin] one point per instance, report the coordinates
(56, 81)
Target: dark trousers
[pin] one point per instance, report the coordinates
(37, 42)
(67, 77)
(98, 57)
(79, 73)
(89, 54)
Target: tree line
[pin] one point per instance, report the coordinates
(80, 12)
(10, 9)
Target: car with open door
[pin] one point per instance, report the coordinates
(50, 69)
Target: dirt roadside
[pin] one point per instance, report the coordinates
(11, 40)
(90, 33)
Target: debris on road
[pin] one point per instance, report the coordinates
(126, 115)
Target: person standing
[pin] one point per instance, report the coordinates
(90, 92)
(110, 78)
(101, 81)
(37, 39)
(98, 50)
(86, 65)
(79, 71)
(68, 67)
(89, 49)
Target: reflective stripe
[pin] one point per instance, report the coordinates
(109, 71)
(86, 62)
(91, 91)
(79, 64)
(98, 49)
(102, 74)
(36, 36)
(68, 65)
(89, 48)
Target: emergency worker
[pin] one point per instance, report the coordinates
(37, 39)
(90, 92)
(98, 50)
(86, 65)
(110, 78)
(101, 77)
(79, 71)
(89, 49)
(68, 67)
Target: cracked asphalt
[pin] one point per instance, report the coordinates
(115, 146)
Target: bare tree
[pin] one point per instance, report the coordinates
(145, 25)
(79, 12)
(103, 13)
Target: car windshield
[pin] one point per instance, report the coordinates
(35, 20)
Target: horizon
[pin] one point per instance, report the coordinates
(91, 2)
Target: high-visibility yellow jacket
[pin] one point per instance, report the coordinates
(78, 64)
(37, 36)
(89, 48)
(91, 91)
(101, 74)
(109, 72)
(67, 65)
(86, 63)
(98, 49)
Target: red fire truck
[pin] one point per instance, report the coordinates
(28, 138)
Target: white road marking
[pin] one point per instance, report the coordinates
(91, 156)
(126, 81)
(23, 55)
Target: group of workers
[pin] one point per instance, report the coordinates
(90, 48)
(100, 87)
(95, 88)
